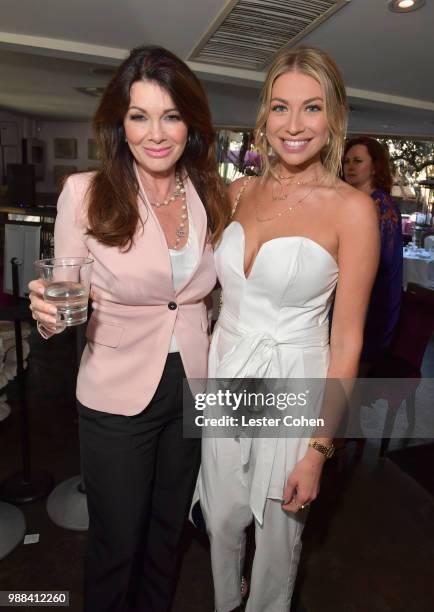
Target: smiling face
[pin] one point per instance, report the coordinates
(297, 127)
(154, 129)
(358, 168)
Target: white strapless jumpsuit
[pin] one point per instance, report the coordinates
(273, 324)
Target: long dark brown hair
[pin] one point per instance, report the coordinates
(382, 178)
(113, 213)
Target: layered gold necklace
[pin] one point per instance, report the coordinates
(282, 195)
(278, 188)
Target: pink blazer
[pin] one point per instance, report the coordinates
(135, 308)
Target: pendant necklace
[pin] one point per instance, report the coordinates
(278, 194)
(179, 192)
(180, 232)
(288, 209)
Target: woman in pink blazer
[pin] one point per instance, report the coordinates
(148, 218)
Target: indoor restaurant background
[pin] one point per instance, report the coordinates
(369, 542)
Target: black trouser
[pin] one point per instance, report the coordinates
(139, 474)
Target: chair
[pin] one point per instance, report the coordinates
(404, 358)
(428, 241)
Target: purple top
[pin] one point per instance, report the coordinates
(385, 303)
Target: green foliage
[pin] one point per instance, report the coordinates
(417, 154)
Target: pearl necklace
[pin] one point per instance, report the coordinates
(178, 191)
(180, 232)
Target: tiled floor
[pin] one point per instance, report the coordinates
(368, 544)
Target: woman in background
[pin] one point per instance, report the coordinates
(366, 167)
(147, 217)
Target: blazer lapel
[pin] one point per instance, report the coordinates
(152, 218)
(198, 213)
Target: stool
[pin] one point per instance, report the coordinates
(67, 503)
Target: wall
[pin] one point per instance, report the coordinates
(47, 131)
(10, 152)
(20, 121)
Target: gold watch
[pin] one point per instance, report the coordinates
(327, 451)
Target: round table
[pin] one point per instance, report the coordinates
(418, 268)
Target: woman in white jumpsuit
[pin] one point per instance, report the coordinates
(297, 234)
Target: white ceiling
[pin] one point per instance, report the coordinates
(50, 47)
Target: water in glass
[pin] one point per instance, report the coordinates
(71, 300)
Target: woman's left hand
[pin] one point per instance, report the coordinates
(302, 486)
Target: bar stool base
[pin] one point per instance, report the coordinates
(19, 491)
(67, 505)
(12, 528)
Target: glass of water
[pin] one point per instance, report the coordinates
(67, 283)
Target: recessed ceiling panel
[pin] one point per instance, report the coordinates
(249, 32)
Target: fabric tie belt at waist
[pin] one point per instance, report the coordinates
(256, 354)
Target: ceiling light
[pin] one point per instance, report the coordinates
(405, 6)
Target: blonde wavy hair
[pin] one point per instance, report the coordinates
(320, 66)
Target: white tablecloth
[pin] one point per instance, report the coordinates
(418, 269)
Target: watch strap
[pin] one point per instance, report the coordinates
(327, 451)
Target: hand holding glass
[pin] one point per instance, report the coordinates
(67, 284)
